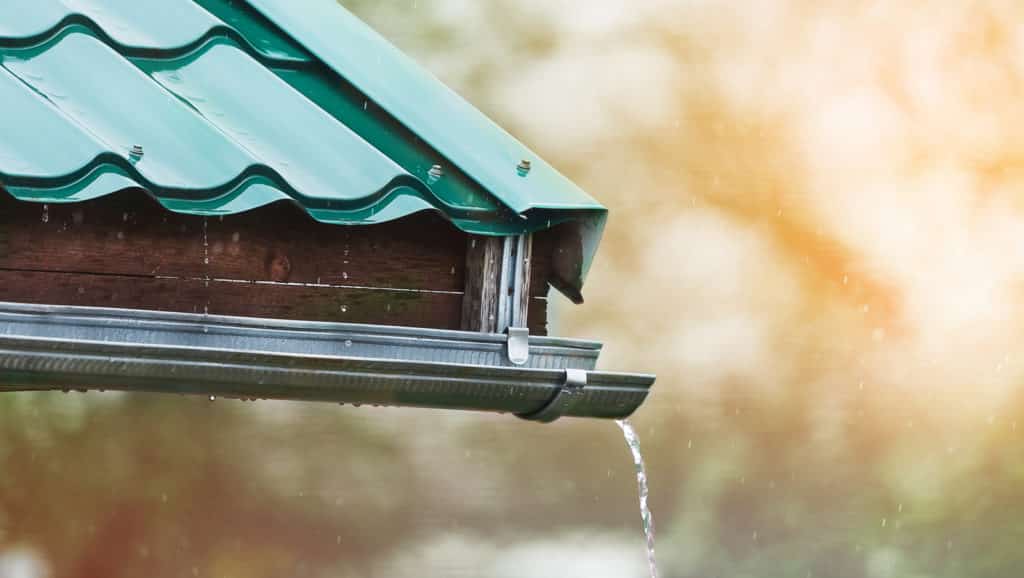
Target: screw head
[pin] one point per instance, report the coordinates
(523, 168)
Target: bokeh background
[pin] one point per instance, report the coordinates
(816, 241)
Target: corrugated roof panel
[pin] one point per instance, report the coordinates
(159, 25)
(109, 98)
(311, 150)
(143, 26)
(459, 131)
(236, 105)
(28, 149)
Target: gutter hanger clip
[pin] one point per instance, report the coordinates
(571, 390)
(518, 345)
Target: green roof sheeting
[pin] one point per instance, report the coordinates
(234, 105)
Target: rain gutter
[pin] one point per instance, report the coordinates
(46, 347)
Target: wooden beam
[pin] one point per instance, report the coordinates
(521, 308)
(482, 275)
(131, 234)
(498, 284)
(412, 308)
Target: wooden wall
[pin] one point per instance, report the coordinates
(126, 251)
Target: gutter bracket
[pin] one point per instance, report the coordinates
(571, 390)
(518, 345)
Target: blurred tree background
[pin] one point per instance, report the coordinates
(815, 242)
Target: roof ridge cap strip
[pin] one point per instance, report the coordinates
(439, 116)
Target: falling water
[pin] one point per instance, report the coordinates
(633, 441)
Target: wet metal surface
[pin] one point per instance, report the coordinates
(45, 347)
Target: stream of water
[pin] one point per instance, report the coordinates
(633, 441)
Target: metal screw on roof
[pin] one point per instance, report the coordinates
(524, 168)
(435, 173)
(136, 152)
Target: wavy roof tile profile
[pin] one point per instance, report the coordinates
(234, 105)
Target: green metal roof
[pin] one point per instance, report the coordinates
(218, 106)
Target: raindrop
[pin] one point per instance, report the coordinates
(344, 308)
(213, 398)
(46, 213)
(348, 343)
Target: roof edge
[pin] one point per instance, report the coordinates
(451, 125)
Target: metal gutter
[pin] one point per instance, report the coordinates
(50, 348)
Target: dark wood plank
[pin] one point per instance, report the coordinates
(421, 251)
(130, 234)
(408, 308)
(543, 247)
(125, 250)
(538, 316)
(557, 259)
